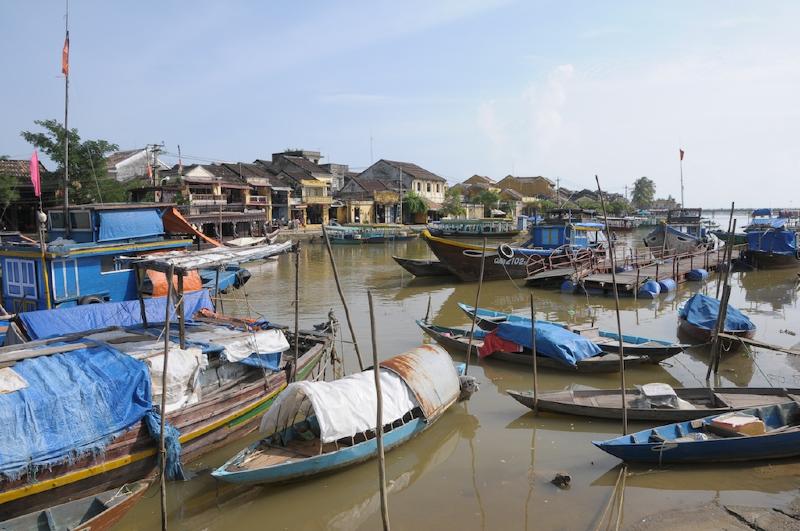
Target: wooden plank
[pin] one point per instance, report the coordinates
(761, 344)
(8, 360)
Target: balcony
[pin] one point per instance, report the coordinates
(207, 199)
(317, 199)
(258, 200)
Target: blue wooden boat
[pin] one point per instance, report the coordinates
(681, 233)
(698, 319)
(771, 243)
(339, 425)
(607, 341)
(708, 439)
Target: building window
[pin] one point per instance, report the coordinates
(418, 187)
(437, 188)
(429, 187)
(20, 278)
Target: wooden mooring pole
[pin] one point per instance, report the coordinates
(619, 321)
(477, 302)
(376, 369)
(162, 450)
(533, 351)
(341, 297)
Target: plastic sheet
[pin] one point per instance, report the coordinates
(551, 340)
(129, 224)
(703, 311)
(75, 404)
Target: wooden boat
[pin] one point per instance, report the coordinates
(771, 244)
(422, 384)
(93, 513)
(739, 238)
(606, 403)
(233, 396)
(474, 228)
(680, 234)
(606, 340)
(464, 260)
(423, 268)
(697, 319)
(456, 340)
(709, 440)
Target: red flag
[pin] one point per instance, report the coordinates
(149, 170)
(65, 57)
(681, 153)
(35, 179)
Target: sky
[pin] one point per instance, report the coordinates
(564, 89)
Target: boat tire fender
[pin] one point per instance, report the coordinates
(505, 251)
(90, 299)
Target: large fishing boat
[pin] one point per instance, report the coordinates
(681, 233)
(771, 242)
(89, 377)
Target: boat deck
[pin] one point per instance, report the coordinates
(267, 455)
(675, 268)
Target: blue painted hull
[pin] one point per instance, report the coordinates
(638, 447)
(319, 464)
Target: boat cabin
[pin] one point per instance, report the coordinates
(566, 227)
(82, 268)
(474, 227)
(687, 221)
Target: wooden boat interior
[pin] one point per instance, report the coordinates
(302, 441)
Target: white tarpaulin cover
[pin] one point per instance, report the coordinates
(10, 381)
(183, 373)
(343, 407)
(240, 345)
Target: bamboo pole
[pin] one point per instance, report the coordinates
(730, 239)
(533, 351)
(428, 312)
(341, 297)
(181, 316)
(619, 322)
(140, 295)
(162, 451)
(296, 312)
(379, 421)
(477, 302)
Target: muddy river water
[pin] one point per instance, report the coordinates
(487, 463)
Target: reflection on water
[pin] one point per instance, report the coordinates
(487, 464)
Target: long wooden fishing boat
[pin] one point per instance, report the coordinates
(767, 432)
(233, 398)
(607, 341)
(92, 513)
(420, 384)
(607, 403)
(456, 340)
(423, 268)
(464, 260)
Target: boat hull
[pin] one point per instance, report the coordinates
(324, 463)
(464, 260)
(672, 241)
(582, 402)
(704, 335)
(423, 268)
(205, 426)
(767, 260)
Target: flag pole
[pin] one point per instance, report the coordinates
(65, 71)
(680, 151)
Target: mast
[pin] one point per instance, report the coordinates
(65, 70)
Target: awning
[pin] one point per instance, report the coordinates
(337, 204)
(496, 212)
(184, 261)
(432, 205)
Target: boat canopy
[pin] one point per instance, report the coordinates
(773, 241)
(67, 406)
(42, 324)
(703, 311)
(762, 212)
(423, 377)
(588, 225)
(185, 261)
(129, 224)
(769, 223)
(552, 340)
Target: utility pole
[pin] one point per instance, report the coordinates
(65, 71)
(154, 149)
(400, 204)
(626, 192)
(558, 194)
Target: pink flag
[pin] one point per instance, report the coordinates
(37, 183)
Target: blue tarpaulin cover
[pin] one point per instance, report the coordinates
(128, 224)
(765, 223)
(551, 340)
(74, 404)
(772, 241)
(60, 321)
(762, 212)
(703, 311)
(271, 361)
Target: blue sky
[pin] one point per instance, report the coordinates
(556, 88)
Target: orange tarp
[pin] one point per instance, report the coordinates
(175, 222)
(191, 282)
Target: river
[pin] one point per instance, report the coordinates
(487, 463)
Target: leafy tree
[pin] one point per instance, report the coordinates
(8, 189)
(413, 203)
(644, 190)
(618, 207)
(89, 180)
(589, 204)
(452, 203)
(488, 199)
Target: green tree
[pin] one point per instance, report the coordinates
(588, 203)
(618, 207)
(488, 199)
(413, 203)
(8, 189)
(89, 180)
(644, 190)
(452, 203)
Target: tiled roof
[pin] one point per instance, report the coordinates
(415, 171)
(19, 168)
(115, 158)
